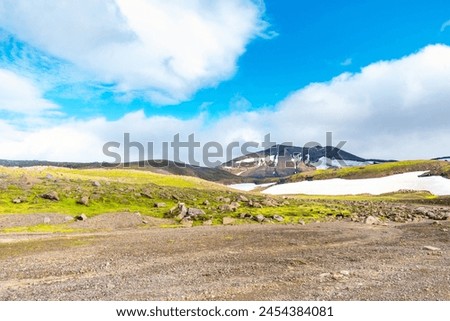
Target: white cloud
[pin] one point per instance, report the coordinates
(20, 95)
(162, 50)
(390, 109)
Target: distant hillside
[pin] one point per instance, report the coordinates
(155, 166)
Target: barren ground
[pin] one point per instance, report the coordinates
(319, 261)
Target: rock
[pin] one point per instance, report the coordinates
(345, 272)
(301, 222)
(160, 205)
(192, 211)
(226, 200)
(176, 197)
(145, 222)
(242, 198)
(260, 218)
(324, 275)
(179, 211)
(53, 196)
(83, 201)
(256, 205)
(47, 220)
(278, 218)
(226, 208)
(207, 223)
(370, 220)
(431, 248)
(235, 205)
(228, 220)
(146, 194)
(186, 222)
(17, 201)
(96, 184)
(81, 217)
(206, 202)
(68, 219)
(49, 176)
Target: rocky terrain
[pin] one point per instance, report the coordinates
(339, 260)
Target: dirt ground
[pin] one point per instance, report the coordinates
(319, 261)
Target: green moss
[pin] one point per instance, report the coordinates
(41, 228)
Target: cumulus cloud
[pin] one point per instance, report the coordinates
(161, 50)
(20, 95)
(390, 109)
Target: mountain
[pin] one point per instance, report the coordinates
(285, 160)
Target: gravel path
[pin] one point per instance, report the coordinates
(323, 261)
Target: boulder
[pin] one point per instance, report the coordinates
(81, 217)
(260, 218)
(278, 218)
(192, 211)
(83, 201)
(228, 220)
(370, 220)
(53, 196)
(160, 205)
(179, 211)
(242, 198)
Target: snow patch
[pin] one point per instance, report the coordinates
(246, 187)
(408, 181)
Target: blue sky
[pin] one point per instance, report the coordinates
(76, 75)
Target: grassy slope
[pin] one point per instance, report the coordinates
(376, 170)
(134, 191)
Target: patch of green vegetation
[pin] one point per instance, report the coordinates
(41, 228)
(23, 248)
(375, 170)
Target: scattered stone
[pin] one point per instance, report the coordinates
(370, 220)
(431, 248)
(345, 272)
(226, 208)
(83, 201)
(228, 220)
(47, 220)
(17, 201)
(195, 212)
(145, 222)
(53, 196)
(146, 194)
(96, 184)
(226, 200)
(68, 219)
(206, 202)
(278, 218)
(81, 217)
(325, 275)
(186, 222)
(207, 222)
(260, 218)
(242, 198)
(176, 197)
(178, 211)
(301, 222)
(160, 205)
(256, 205)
